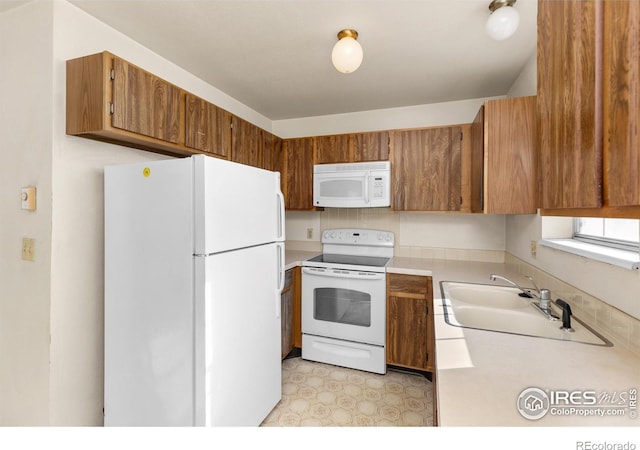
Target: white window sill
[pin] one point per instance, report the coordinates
(616, 257)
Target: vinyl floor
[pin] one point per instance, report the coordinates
(316, 394)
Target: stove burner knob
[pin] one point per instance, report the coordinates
(333, 235)
(388, 238)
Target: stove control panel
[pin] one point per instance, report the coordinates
(351, 236)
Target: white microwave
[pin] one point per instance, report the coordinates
(352, 185)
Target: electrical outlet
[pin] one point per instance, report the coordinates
(309, 233)
(28, 249)
(534, 248)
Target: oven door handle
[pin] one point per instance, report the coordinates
(329, 273)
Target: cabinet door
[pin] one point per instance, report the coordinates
(286, 313)
(371, 146)
(246, 143)
(426, 169)
(509, 156)
(332, 149)
(298, 173)
(477, 162)
(409, 321)
(207, 127)
(622, 102)
(145, 104)
(569, 104)
(271, 152)
(297, 306)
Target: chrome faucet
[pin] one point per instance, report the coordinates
(494, 277)
(543, 295)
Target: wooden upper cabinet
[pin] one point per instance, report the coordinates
(503, 174)
(621, 92)
(426, 169)
(246, 143)
(298, 173)
(373, 146)
(111, 100)
(356, 147)
(569, 103)
(271, 152)
(145, 104)
(334, 148)
(207, 127)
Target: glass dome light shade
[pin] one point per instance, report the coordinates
(503, 22)
(347, 55)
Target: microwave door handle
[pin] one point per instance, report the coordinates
(366, 188)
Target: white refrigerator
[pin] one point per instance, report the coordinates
(194, 266)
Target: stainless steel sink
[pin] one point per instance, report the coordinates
(501, 309)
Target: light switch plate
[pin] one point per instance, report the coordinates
(28, 249)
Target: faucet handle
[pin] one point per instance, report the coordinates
(534, 284)
(545, 297)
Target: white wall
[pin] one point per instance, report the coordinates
(527, 82)
(613, 285)
(437, 114)
(25, 160)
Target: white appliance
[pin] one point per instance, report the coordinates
(344, 299)
(194, 258)
(352, 185)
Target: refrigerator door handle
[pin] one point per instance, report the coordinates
(281, 217)
(280, 249)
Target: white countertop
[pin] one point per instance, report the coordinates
(294, 258)
(481, 374)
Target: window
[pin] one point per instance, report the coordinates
(617, 233)
(612, 241)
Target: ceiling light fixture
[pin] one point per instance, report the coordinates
(504, 19)
(347, 53)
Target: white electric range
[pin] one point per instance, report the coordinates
(344, 299)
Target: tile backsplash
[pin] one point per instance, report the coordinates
(617, 326)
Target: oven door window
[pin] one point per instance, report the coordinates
(342, 306)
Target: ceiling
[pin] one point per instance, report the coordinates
(275, 56)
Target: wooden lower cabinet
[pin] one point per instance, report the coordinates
(290, 312)
(297, 307)
(410, 334)
(286, 313)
